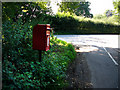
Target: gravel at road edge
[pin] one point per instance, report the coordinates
(78, 73)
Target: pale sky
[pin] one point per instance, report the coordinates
(100, 6)
(97, 6)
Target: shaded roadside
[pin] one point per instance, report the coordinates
(78, 74)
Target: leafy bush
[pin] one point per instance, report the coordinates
(21, 68)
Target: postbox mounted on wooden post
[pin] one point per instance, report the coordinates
(41, 38)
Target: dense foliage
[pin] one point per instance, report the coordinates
(64, 23)
(83, 9)
(21, 66)
(26, 10)
(116, 4)
(78, 8)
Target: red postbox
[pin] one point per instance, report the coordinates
(41, 37)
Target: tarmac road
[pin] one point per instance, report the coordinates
(101, 53)
(103, 71)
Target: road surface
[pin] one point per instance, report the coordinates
(101, 52)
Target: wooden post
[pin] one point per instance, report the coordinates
(40, 55)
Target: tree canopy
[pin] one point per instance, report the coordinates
(26, 10)
(117, 6)
(78, 8)
(117, 9)
(83, 9)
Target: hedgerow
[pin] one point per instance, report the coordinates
(76, 25)
(21, 66)
(70, 24)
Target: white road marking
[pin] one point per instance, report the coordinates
(110, 56)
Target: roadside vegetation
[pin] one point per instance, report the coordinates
(68, 24)
(65, 23)
(20, 63)
(21, 66)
